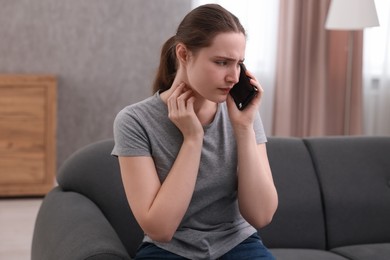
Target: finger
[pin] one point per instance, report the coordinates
(172, 99)
(250, 74)
(175, 87)
(253, 79)
(257, 99)
(178, 90)
(183, 98)
(172, 103)
(190, 103)
(257, 85)
(172, 107)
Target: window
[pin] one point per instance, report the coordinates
(376, 73)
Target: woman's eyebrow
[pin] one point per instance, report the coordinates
(228, 58)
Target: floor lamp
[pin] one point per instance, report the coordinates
(350, 15)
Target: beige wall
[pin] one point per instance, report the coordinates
(104, 54)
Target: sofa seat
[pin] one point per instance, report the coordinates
(305, 254)
(380, 251)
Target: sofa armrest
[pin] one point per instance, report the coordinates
(70, 226)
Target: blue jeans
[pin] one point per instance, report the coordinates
(251, 249)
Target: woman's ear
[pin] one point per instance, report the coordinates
(182, 53)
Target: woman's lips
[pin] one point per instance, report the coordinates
(225, 90)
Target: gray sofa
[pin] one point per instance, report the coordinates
(334, 203)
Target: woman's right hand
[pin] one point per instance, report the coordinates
(181, 112)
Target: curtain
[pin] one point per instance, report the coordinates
(311, 74)
(260, 20)
(376, 73)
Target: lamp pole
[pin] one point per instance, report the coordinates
(348, 89)
(350, 15)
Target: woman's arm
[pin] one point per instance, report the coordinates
(257, 196)
(159, 208)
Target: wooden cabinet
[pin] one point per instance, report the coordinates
(27, 134)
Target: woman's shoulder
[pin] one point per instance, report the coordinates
(149, 106)
(143, 104)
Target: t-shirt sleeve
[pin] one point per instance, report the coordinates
(129, 135)
(259, 130)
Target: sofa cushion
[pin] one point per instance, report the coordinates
(305, 254)
(363, 252)
(298, 221)
(354, 175)
(93, 172)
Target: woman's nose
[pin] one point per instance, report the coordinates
(234, 75)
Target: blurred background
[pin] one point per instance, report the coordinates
(104, 55)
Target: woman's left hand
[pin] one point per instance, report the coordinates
(244, 118)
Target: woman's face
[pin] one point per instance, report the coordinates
(214, 70)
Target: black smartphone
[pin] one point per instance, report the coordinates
(243, 92)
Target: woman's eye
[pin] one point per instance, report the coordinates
(221, 63)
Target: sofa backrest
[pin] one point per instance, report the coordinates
(299, 219)
(354, 173)
(93, 172)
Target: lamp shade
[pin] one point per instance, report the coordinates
(351, 15)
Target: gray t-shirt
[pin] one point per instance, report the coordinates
(212, 224)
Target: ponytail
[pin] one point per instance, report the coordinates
(167, 69)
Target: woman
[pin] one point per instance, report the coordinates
(194, 167)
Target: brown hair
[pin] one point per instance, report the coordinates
(197, 30)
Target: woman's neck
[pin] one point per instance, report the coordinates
(204, 109)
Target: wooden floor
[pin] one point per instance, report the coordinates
(17, 218)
